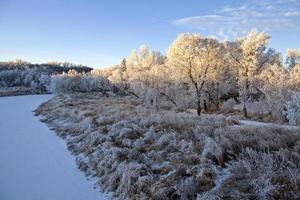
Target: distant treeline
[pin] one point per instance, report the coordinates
(50, 67)
(19, 73)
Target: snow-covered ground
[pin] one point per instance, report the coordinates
(266, 124)
(34, 162)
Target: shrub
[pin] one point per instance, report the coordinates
(76, 82)
(228, 105)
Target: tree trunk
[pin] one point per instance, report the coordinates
(245, 110)
(205, 106)
(218, 105)
(218, 99)
(209, 103)
(198, 107)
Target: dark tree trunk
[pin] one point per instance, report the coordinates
(205, 106)
(245, 100)
(198, 107)
(218, 105)
(218, 99)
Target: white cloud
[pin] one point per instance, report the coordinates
(199, 21)
(231, 21)
(231, 9)
(292, 13)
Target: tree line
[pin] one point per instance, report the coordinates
(197, 72)
(204, 72)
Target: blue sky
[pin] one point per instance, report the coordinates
(100, 33)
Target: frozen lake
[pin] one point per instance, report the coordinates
(34, 163)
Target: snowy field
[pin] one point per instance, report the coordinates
(35, 164)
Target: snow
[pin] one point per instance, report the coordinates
(255, 123)
(265, 124)
(34, 163)
(220, 180)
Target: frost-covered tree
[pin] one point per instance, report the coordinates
(250, 55)
(135, 74)
(274, 84)
(123, 65)
(196, 60)
(293, 57)
(162, 86)
(142, 61)
(79, 82)
(34, 78)
(293, 61)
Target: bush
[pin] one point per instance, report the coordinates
(76, 82)
(228, 106)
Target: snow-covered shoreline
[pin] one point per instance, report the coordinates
(35, 163)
